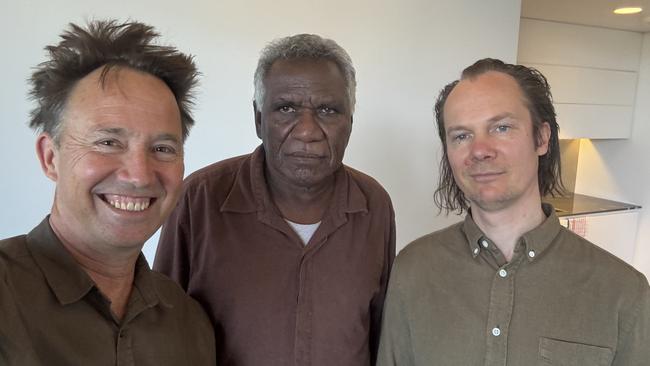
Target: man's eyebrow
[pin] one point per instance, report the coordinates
(456, 128)
(121, 132)
(283, 98)
(167, 137)
(501, 116)
(111, 131)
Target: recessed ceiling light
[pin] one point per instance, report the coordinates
(628, 10)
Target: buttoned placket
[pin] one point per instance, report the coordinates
(304, 301)
(501, 305)
(334, 218)
(303, 328)
(123, 338)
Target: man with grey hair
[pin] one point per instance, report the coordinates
(288, 249)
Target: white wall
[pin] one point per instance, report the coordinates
(620, 169)
(404, 52)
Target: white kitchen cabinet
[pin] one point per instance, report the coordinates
(592, 71)
(612, 231)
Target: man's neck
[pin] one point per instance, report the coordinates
(112, 273)
(504, 227)
(303, 205)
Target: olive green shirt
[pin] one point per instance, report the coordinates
(453, 299)
(51, 313)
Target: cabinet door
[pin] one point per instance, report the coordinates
(614, 232)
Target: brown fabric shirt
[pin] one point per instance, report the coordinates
(273, 300)
(51, 313)
(560, 301)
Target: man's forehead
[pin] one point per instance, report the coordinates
(295, 66)
(490, 81)
(124, 97)
(488, 91)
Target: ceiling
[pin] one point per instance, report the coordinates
(589, 12)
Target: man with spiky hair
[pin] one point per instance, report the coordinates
(112, 109)
(288, 249)
(509, 285)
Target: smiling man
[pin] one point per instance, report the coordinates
(287, 248)
(509, 285)
(113, 113)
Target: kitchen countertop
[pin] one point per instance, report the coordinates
(580, 204)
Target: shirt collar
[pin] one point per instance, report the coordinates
(144, 281)
(535, 241)
(250, 191)
(67, 279)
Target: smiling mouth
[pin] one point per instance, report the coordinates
(128, 203)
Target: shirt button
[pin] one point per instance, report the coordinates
(531, 254)
(476, 251)
(503, 273)
(484, 243)
(496, 331)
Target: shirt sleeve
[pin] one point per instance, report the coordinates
(377, 305)
(172, 255)
(634, 343)
(395, 347)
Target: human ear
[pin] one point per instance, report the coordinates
(543, 138)
(47, 153)
(258, 120)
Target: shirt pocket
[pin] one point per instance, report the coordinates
(556, 352)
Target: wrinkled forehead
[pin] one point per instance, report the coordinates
(122, 96)
(320, 69)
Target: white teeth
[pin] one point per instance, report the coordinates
(130, 206)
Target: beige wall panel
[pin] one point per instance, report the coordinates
(589, 86)
(594, 121)
(545, 42)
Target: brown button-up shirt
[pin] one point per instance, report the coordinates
(454, 300)
(51, 313)
(273, 300)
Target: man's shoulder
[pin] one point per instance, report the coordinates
(13, 248)
(174, 294)
(368, 185)
(433, 244)
(584, 255)
(437, 250)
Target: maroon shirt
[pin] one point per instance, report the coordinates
(272, 299)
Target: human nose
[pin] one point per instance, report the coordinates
(138, 168)
(307, 128)
(482, 148)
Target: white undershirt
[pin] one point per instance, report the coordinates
(304, 231)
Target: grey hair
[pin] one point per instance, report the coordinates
(309, 46)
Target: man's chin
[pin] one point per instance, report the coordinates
(491, 204)
(129, 236)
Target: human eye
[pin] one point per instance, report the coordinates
(326, 110)
(459, 137)
(285, 108)
(108, 144)
(502, 128)
(165, 151)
